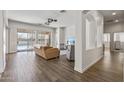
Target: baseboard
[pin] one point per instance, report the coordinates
(78, 70)
(91, 64)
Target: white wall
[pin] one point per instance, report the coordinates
(2, 42)
(95, 52)
(57, 37)
(53, 38)
(92, 56)
(12, 40)
(14, 25)
(94, 30)
(69, 32)
(62, 34)
(6, 28)
(80, 44)
(114, 27)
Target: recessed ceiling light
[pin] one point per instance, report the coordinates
(116, 20)
(114, 13)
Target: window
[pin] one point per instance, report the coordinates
(119, 36)
(119, 40)
(43, 39)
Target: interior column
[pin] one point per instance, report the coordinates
(80, 44)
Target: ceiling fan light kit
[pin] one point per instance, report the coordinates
(50, 20)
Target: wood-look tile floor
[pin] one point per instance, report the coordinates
(27, 67)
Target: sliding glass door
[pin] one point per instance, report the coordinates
(25, 40)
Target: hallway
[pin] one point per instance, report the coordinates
(26, 67)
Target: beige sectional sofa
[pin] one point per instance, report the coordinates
(47, 52)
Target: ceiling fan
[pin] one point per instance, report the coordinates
(50, 20)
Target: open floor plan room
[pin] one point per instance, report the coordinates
(61, 45)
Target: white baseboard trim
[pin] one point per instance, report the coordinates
(91, 64)
(78, 70)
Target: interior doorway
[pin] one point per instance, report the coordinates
(107, 41)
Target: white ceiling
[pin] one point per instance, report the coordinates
(33, 16)
(109, 18)
(41, 16)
